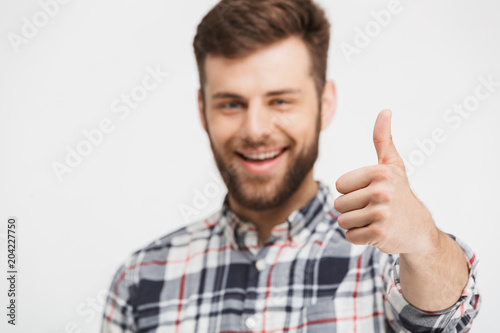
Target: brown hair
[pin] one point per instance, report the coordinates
(236, 28)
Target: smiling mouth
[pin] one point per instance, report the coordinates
(262, 157)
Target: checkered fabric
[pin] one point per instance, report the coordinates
(211, 276)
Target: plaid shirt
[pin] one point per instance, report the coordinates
(211, 276)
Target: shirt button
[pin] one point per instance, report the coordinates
(250, 323)
(260, 264)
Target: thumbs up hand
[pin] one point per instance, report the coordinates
(378, 207)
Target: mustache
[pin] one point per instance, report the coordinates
(246, 144)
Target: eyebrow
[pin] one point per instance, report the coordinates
(268, 94)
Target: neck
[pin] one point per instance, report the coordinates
(265, 220)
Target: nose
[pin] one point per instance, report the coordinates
(257, 123)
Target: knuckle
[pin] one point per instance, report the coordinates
(380, 213)
(381, 195)
(381, 172)
(377, 233)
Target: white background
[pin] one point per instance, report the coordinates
(128, 191)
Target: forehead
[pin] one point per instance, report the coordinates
(282, 64)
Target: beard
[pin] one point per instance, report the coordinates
(263, 192)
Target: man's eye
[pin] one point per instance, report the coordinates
(281, 102)
(231, 105)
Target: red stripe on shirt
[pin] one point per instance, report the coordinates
(332, 215)
(355, 293)
(181, 291)
(210, 224)
(115, 289)
(471, 261)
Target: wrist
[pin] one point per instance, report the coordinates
(432, 247)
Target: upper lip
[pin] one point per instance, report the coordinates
(260, 150)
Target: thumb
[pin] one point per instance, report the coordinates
(382, 139)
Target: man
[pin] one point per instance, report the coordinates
(281, 254)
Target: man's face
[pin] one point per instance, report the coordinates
(263, 121)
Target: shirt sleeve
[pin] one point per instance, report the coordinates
(457, 318)
(118, 316)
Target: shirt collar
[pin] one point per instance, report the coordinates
(242, 234)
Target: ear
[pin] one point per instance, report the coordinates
(329, 104)
(200, 110)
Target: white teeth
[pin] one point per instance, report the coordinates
(263, 156)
